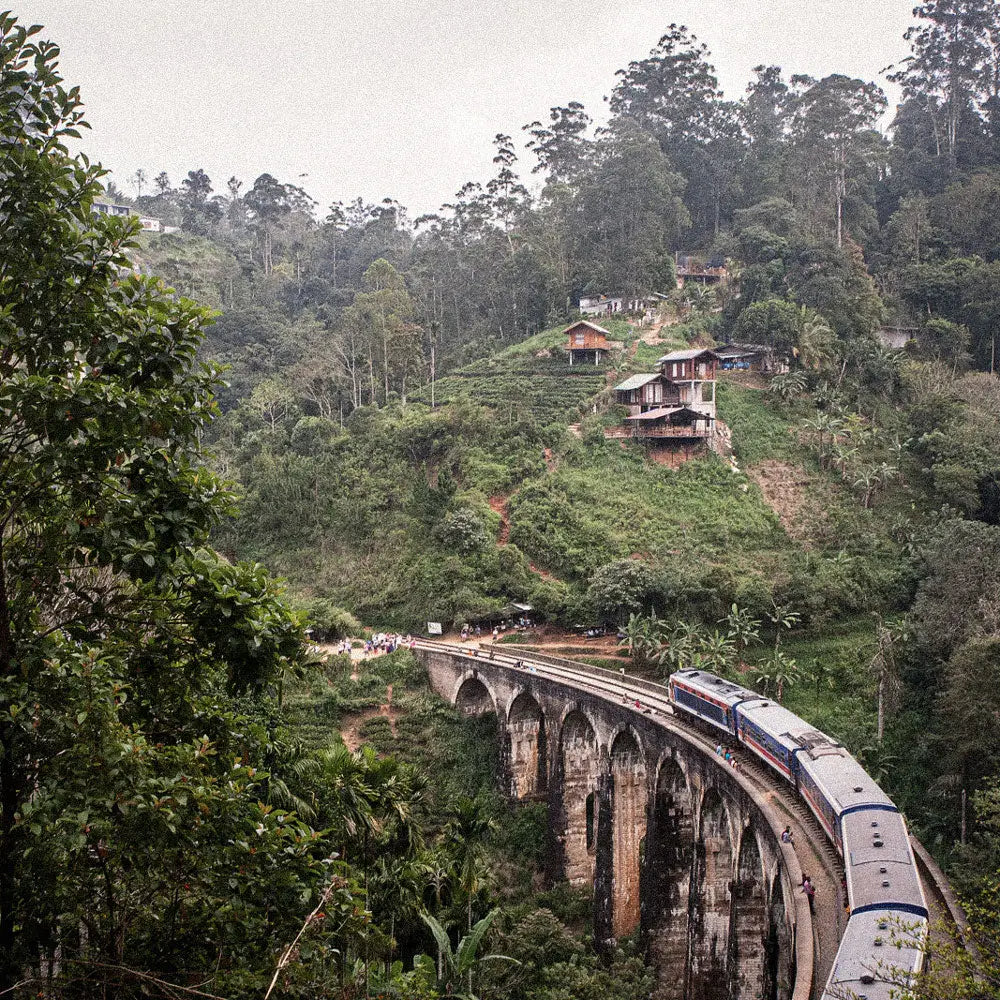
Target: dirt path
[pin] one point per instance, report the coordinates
(784, 489)
(351, 727)
(498, 505)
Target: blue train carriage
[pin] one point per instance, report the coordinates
(879, 864)
(878, 955)
(833, 784)
(712, 699)
(778, 736)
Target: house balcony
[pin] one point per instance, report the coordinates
(642, 433)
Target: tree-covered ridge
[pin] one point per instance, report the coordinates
(794, 182)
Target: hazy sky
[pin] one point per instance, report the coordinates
(400, 98)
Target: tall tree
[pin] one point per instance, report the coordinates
(631, 214)
(121, 638)
(836, 144)
(561, 147)
(952, 69)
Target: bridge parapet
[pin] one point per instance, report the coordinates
(675, 842)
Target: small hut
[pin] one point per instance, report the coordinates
(586, 341)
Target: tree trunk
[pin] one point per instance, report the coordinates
(8, 802)
(880, 729)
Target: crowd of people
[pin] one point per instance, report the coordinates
(507, 625)
(380, 642)
(728, 756)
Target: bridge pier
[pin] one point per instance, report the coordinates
(628, 831)
(579, 811)
(666, 878)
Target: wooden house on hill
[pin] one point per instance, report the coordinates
(586, 341)
(693, 372)
(675, 405)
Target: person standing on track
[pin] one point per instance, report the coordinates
(810, 890)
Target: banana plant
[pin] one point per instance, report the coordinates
(458, 964)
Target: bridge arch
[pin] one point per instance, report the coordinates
(528, 746)
(710, 899)
(473, 695)
(628, 827)
(666, 875)
(579, 758)
(748, 919)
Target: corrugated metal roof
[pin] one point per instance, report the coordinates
(687, 355)
(663, 411)
(592, 326)
(635, 382)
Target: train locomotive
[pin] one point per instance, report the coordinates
(881, 946)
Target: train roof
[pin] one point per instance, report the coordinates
(842, 780)
(784, 726)
(878, 860)
(877, 953)
(717, 688)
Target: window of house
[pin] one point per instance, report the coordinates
(657, 392)
(674, 372)
(579, 338)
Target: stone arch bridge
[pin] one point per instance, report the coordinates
(676, 843)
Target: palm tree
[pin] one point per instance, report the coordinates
(817, 341)
(469, 824)
(884, 668)
(781, 617)
(776, 674)
(643, 636)
(788, 385)
(821, 676)
(716, 651)
(680, 646)
(742, 628)
(842, 454)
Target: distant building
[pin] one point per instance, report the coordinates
(620, 305)
(106, 208)
(750, 358)
(586, 340)
(895, 338)
(706, 271)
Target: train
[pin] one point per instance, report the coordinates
(882, 947)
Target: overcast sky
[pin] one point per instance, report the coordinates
(400, 98)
